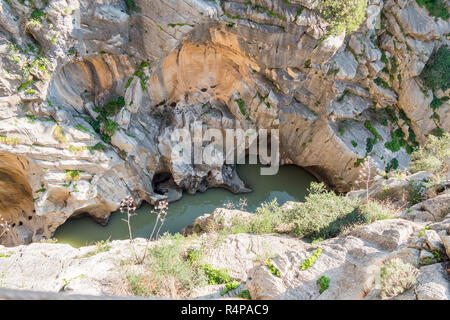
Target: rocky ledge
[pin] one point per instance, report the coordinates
(404, 257)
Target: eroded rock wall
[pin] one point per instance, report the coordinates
(180, 61)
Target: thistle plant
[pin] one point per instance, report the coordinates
(243, 203)
(366, 176)
(129, 206)
(161, 213)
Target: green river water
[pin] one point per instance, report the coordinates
(290, 184)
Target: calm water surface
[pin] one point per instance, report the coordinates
(289, 184)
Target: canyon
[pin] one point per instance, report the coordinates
(92, 94)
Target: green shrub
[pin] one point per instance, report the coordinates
(215, 276)
(111, 107)
(374, 210)
(131, 6)
(392, 165)
(322, 214)
(436, 8)
(73, 174)
(231, 285)
(343, 15)
(436, 73)
(416, 192)
(109, 127)
(272, 269)
(395, 277)
(266, 220)
(323, 283)
(244, 294)
(308, 263)
(432, 155)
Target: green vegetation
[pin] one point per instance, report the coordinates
(416, 192)
(241, 105)
(372, 130)
(436, 8)
(131, 6)
(230, 286)
(102, 246)
(324, 214)
(395, 277)
(102, 125)
(308, 263)
(436, 73)
(421, 232)
(215, 276)
(374, 210)
(324, 283)
(169, 274)
(83, 128)
(272, 269)
(73, 174)
(381, 83)
(173, 272)
(343, 15)
(8, 140)
(262, 9)
(432, 155)
(244, 294)
(59, 135)
(99, 146)
(392, 165)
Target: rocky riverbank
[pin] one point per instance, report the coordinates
(367, 261)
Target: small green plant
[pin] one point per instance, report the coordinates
(66, 282)
(324, 283)
(216, 276)
(59, 135)
(102, 246)
(395, 277)
(310, 260)
(99, 146)
(24, 85)
(9, 140)
(73, 174)
(272, 269)
(231, 285)
(244, 294)
(131, 7)
(241, 105)
(392, 165)
(421, 232)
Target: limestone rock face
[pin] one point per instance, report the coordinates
(222, 64)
